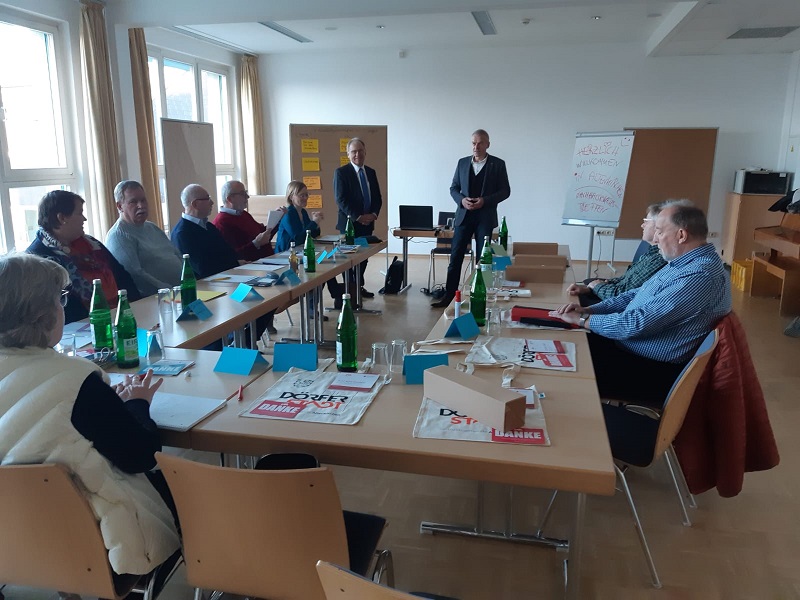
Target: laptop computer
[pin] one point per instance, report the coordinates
(418, 218)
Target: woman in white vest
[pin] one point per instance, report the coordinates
(59, 409)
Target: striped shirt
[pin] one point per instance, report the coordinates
(667, 318)
(643, 269)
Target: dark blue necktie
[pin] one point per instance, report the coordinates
(362, 178)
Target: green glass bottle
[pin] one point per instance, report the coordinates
(309, 254)
(504, 235)
(477, 298)
(346, 338)
(486, 257)
(100, 319)
(188, 283)
(125, 330)
(349, 233)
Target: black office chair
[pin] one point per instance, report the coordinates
(443, 247)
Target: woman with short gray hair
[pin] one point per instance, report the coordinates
(60, 409)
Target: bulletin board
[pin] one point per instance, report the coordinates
(666, 164)
(318, 150)
(188, 158)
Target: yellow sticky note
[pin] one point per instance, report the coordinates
(309, 145)
(314, 201)
(343, 160)
(313, 182)
(310, 164)
(343, 144)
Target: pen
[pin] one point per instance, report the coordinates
(241, 393)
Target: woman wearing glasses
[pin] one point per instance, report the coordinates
(61, 238)
(59, 409)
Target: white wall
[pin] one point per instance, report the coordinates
(532, 101)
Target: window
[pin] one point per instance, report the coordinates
(191, 90)
(35, 157)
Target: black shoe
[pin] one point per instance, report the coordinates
(444, 302)
(271, 329)
(366, 294)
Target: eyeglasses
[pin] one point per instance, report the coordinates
(647, 220)
(64, 298)
(244, 193)
(204, 199)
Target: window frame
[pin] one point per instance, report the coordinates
(64, 97)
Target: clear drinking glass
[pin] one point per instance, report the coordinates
(493, 321)
(398, 355)
(165, 304)
(380, 361)
(177, 307)
(66, 345)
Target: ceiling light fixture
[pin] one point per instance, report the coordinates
(285, 31)
(484, 22)
(596, 17)
(380, 26)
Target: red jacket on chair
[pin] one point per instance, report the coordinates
(726, 432)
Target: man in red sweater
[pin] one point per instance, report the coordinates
(249, 238)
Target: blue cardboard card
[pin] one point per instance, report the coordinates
(245, 292)
(322, 256)
(333, 251)
(302, 356)
(464, 327)
(141, 340)
(415, 364)
(500, 263)
(290, 276)
(361, 241)
(196, 309)
(239, 361)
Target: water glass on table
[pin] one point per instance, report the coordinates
(66, 345)
(380, 361)
(177, 307)
(155, 346)
(165, 305)
(399, 351)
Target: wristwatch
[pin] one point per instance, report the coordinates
(582, 321)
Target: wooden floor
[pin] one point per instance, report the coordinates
(747, 547)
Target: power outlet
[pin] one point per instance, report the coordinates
(608, 232)
(713, 234)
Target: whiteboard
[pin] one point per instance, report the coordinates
(188, 158)
(598, 175)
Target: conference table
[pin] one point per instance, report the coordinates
(578, 459)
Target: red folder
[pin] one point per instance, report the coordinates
(538, 316)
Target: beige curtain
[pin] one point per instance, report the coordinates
(100, 118)
(255, 155)
(145, 124)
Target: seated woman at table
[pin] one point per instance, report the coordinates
(59, 409)
(293, 226)
(61, 238)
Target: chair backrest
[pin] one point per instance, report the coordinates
(441, 220)
(256, 533)
(341, 584)
(51, 537)
(641, 250)
(680, 395)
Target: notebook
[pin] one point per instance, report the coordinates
(181, 413)
(416, 217)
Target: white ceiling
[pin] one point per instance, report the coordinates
(663, 28)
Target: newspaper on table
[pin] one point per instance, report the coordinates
(436, 421)
(308, 396)
(553, 355)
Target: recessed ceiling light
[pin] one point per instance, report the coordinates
(331, 28)
(381, 26)
(596, 17)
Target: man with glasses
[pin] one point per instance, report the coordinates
(208, 251)
(140, 245)
(249, 238)
(592, 291)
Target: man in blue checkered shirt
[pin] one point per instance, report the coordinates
(653, 331)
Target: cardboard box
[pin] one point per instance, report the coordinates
(534, 248)
(530, 275)
(540, 260)
(490, 404)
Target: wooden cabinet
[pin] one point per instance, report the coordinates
(744, 213)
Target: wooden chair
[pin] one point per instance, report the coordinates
(639, 436)
(256, 533)
(52, 538)
(341, 584)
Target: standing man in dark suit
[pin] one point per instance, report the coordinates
(479, 185)
(358, 196)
